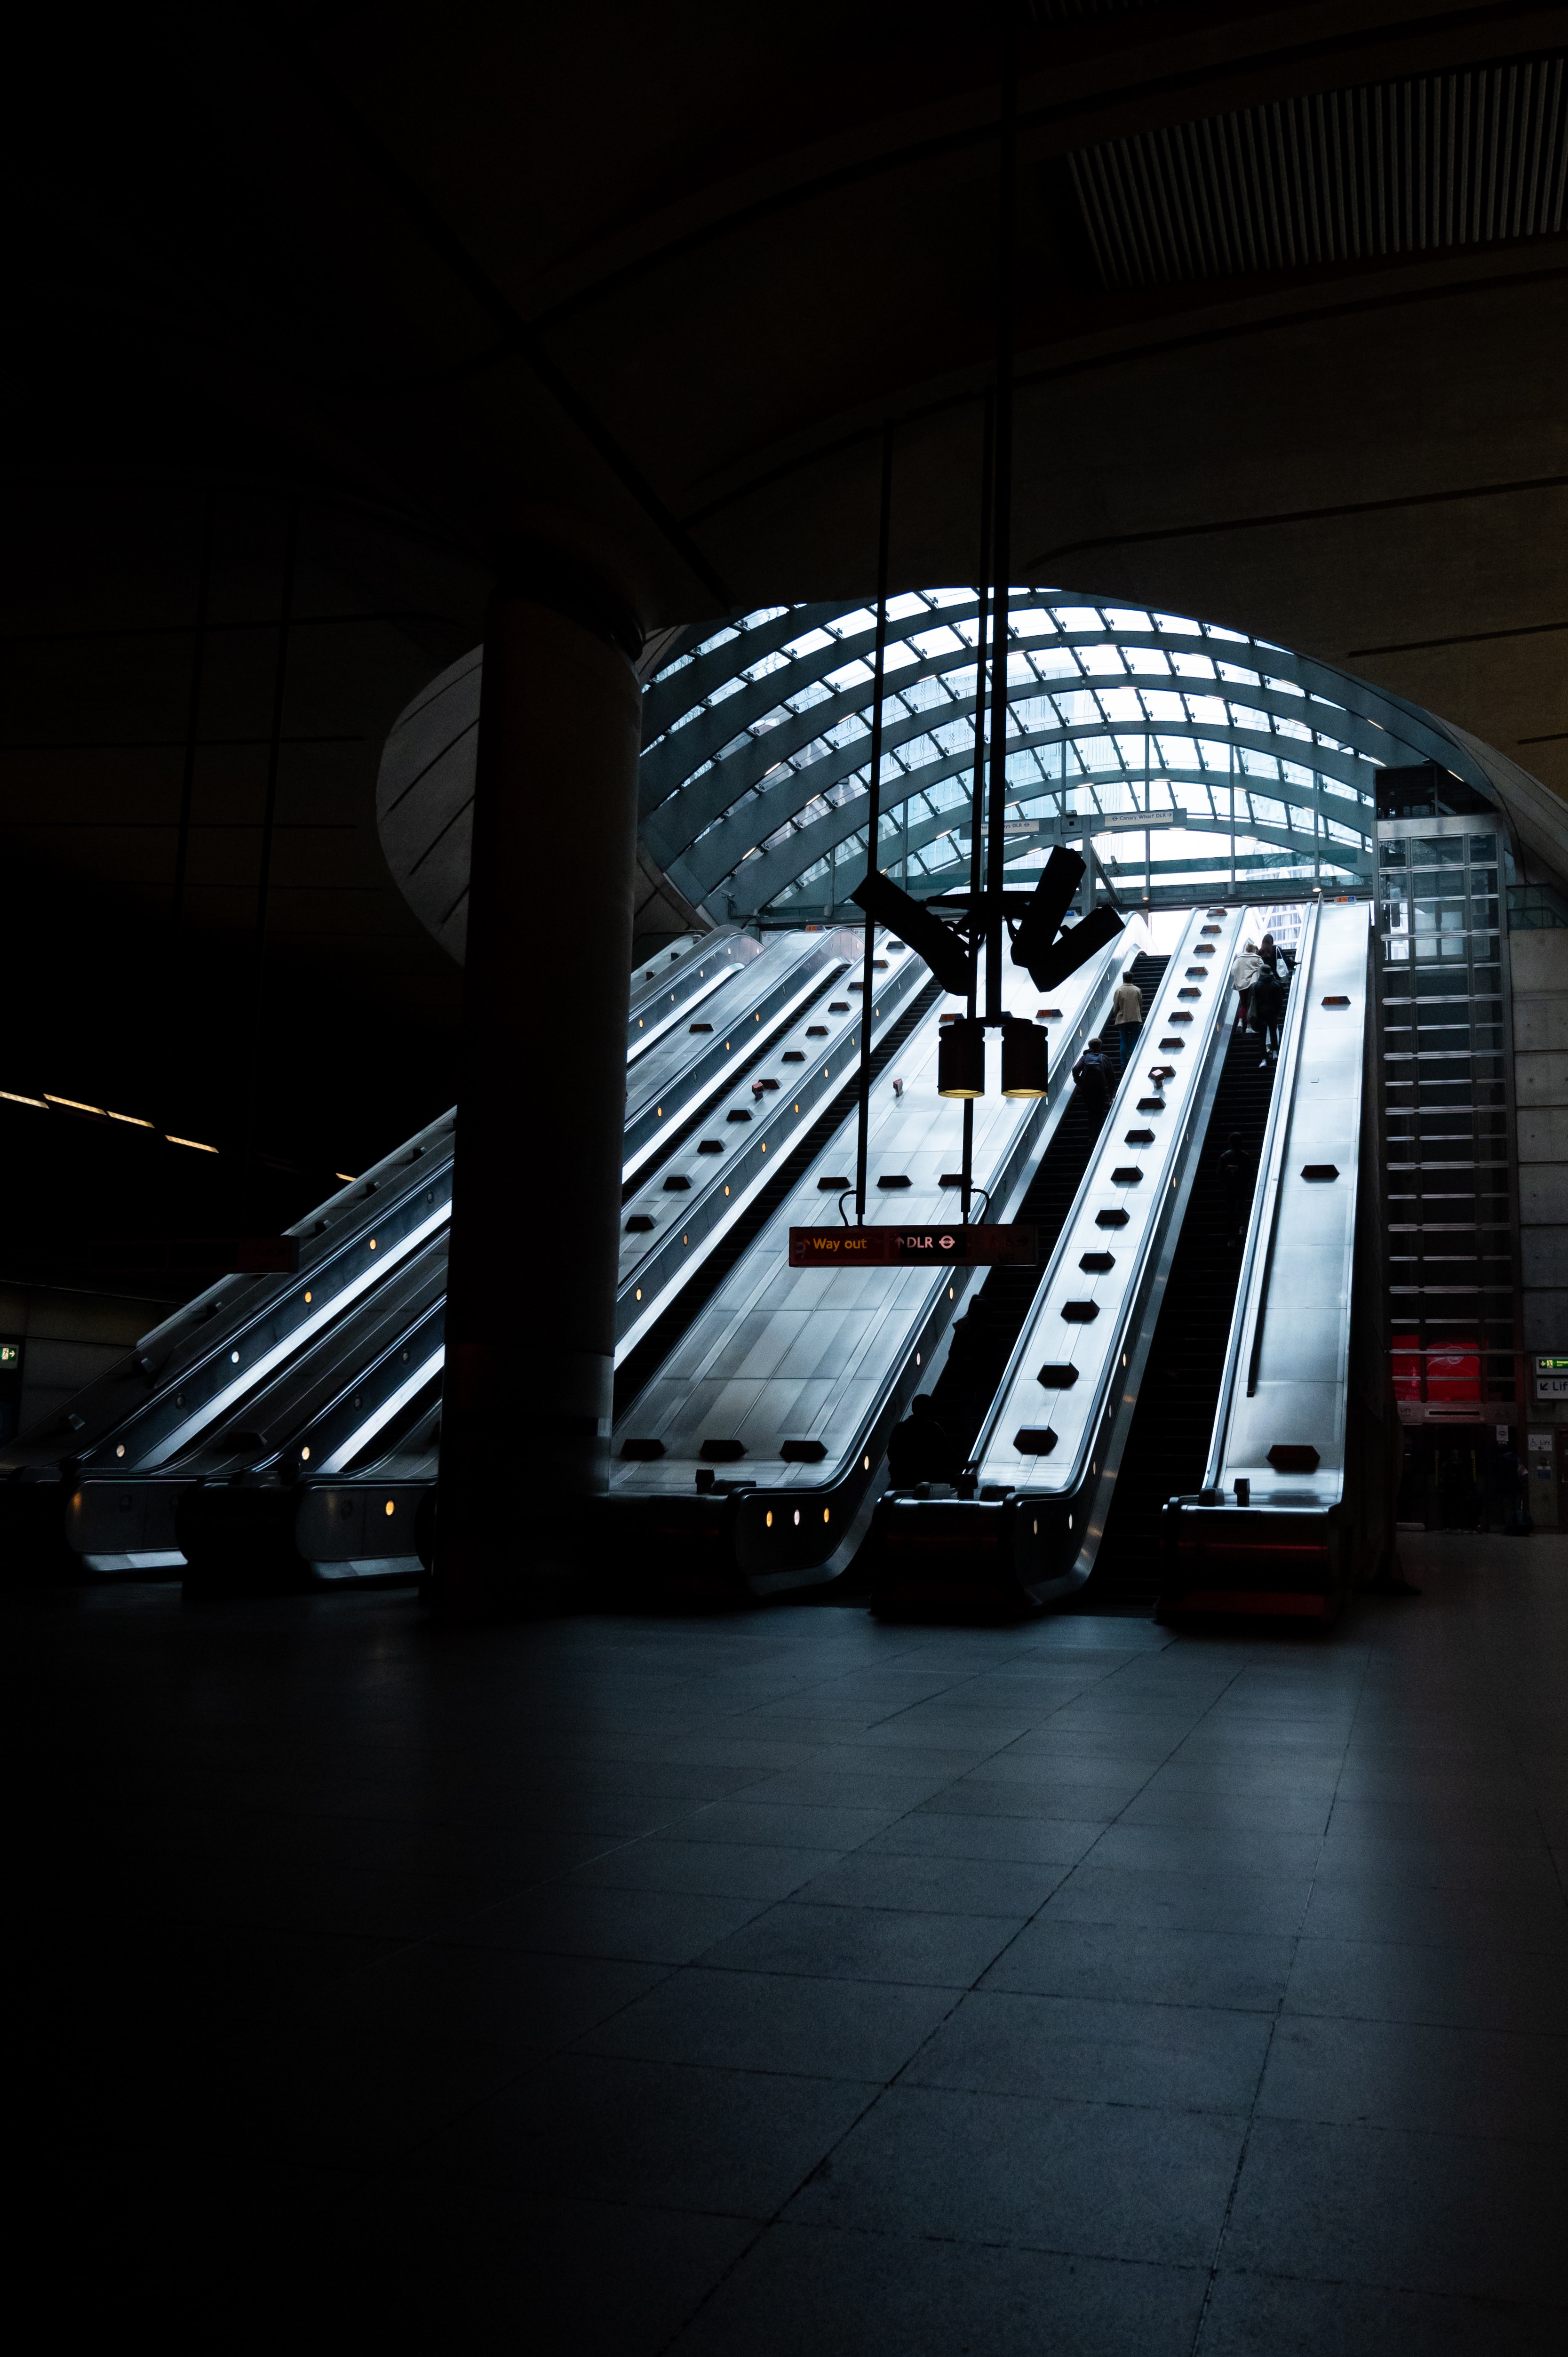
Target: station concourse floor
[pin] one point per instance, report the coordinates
(784, 1982)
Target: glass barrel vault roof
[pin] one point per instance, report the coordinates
(1120, 722)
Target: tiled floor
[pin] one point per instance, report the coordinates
(786, 1983)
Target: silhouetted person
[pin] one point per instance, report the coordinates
(1127, 1014)
(1245, 968)
(919, 1450)
(1236, 1177)
(1091, 1084)
(1269, 997)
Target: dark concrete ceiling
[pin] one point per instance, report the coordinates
(393, 279)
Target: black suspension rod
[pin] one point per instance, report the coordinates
(873, 827)
(1002, 532)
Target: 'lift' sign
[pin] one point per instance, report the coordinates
(975, 1247)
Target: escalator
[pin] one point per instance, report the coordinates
(230, 1390)
(1294, 1508)
(1167, 1445)
(984, 1337)
(1030, 1513)
(749, 1457)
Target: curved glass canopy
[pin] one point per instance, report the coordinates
(1193, 759)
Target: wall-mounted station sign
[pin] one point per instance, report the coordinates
(1552, 1379)
(996, 1247)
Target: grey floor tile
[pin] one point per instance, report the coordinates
(1447, 1916)
(840, 2294)
(648, 1926)
(1440, 1864)
(1042, 1841)
(946, 1886)
(1471, 2083)
(774, 2021)
(1181, 1849)
(1236, 1971)
(718, 1869)
(774, 1826)
(1191, 1901)
(1482, 1984)
(1463, 2216)
(874, 1781)
(1091, 2177)
(1272, 2316)
(1067, 1803)
(1089, 2050)
(669, 2135)
(866, 1944)
(1161, 1803)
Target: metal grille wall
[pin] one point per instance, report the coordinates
(1448, 1097)
(1447, 160)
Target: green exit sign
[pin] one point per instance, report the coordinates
(10, 1354)
(1552, 1366)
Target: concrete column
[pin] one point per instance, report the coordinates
(536, 1209)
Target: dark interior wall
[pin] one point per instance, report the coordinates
(198, 681)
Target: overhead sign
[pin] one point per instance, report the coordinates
(1010, 1246)
(1552, 1379)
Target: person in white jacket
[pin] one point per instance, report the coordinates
(1245, 968)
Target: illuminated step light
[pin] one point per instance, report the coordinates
(1057, 1378)
(131, 1120)
(816, 1030)
(1320, 1170)
(11, 1097)
(72, 1104)
(838, 1007)
(710, 1145)
(1080, 1313)
(1204, 949)
(803, 1452)
(1096, 1263)
(1127, 1174)
(739, 1113)
(1151, 1104)
(1047, 1015)
(677, 1184)
(1034, 1440)
(1337, 1002)
(1110, 1219)
(794, 1056)
(1170, 1046)
(197, 1146)
(1181, 1016)
(1189, 994)
(1293, 1457)
(834, 1183)
(639, 1224)
(892, 1181)
(1199, 973)
(1139, 1137)
(641, 1452)
(1211, 929)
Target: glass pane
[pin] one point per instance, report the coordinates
(1437, 850)
(1483, 846)
(1392, 854)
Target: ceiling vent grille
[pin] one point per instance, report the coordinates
(1394, 167)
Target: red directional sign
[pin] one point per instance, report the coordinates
(881, 1247)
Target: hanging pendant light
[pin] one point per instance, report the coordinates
(1024, 1063)
(960, 1059)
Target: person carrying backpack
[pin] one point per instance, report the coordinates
(1268, 998)
(1091, 1084)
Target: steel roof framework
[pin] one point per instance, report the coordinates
(1121, 721)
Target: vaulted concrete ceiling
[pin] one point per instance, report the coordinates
(1289, 309)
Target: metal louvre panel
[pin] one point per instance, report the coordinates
(1447, 160)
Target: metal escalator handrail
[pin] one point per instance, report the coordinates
(1108, 1149)
(1245, 1337)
